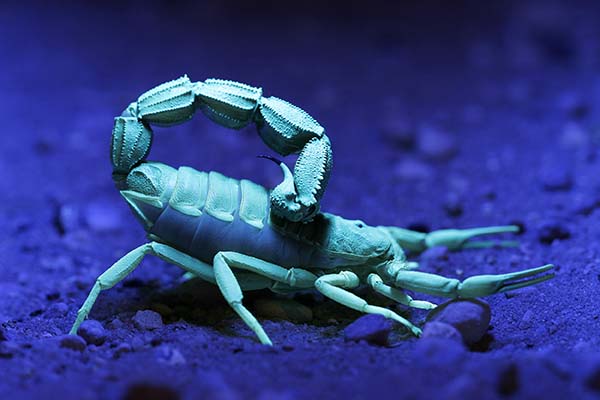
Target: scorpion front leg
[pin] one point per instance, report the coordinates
(334, 286)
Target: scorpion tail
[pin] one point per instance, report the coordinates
(131, 141)
(167, 104)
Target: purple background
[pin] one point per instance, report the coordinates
(440, 115)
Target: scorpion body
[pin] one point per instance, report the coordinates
(241, 236)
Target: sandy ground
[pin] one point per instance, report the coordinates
(439, 117)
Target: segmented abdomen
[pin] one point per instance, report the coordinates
(209, 212)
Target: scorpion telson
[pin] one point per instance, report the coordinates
(240, 236)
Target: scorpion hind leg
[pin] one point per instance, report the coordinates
(126, 264)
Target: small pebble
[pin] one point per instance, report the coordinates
(574, 137)
(57, 309)
(8, 349)
(550, 231)
(102, 216)
(116, 324)
(68, 218)
(526, 320)
(147, 320)
(453, 205)
(170, 355)
(442, 330)
(92, 332)
(398, 131)
(412, 170)
(372, 328)
(289, 310)
(557, 179)
(573, 105)
(471, 317)
(435, 144)
(122, 348)
(72, 342)
(137, 343)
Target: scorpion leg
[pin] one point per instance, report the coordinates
(475, 286)
(453, 239)
(223, 263)
(376, 283)
(125, 265)
(334, 286)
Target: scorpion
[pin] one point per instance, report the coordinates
(241, 236)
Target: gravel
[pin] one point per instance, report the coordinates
(470, 317)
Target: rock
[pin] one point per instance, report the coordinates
(374, 329)
(410, 169)
(170, 355)
(574, 137)
(435, 144)
(573, 105)
(526, 320)
(398, 131)
(147, 320)
(92, 332)
(8, 349)
(72, 342)
(102, 216)
(67, 219)
(442, 330)
(550, 231)
(122, 348)
(289, 310)
(57, 310)
(3, 336)
(557, 179)
(116, 324)
(453, 205)
(471, 317)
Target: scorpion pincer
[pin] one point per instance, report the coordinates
(240, 236)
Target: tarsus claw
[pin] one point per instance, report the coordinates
(455, 239)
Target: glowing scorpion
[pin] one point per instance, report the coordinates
(240, 236)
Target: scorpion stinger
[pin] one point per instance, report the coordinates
(241, 236)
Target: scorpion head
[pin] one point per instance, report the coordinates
(149, 187)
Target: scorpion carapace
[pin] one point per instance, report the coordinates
(240, 236)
